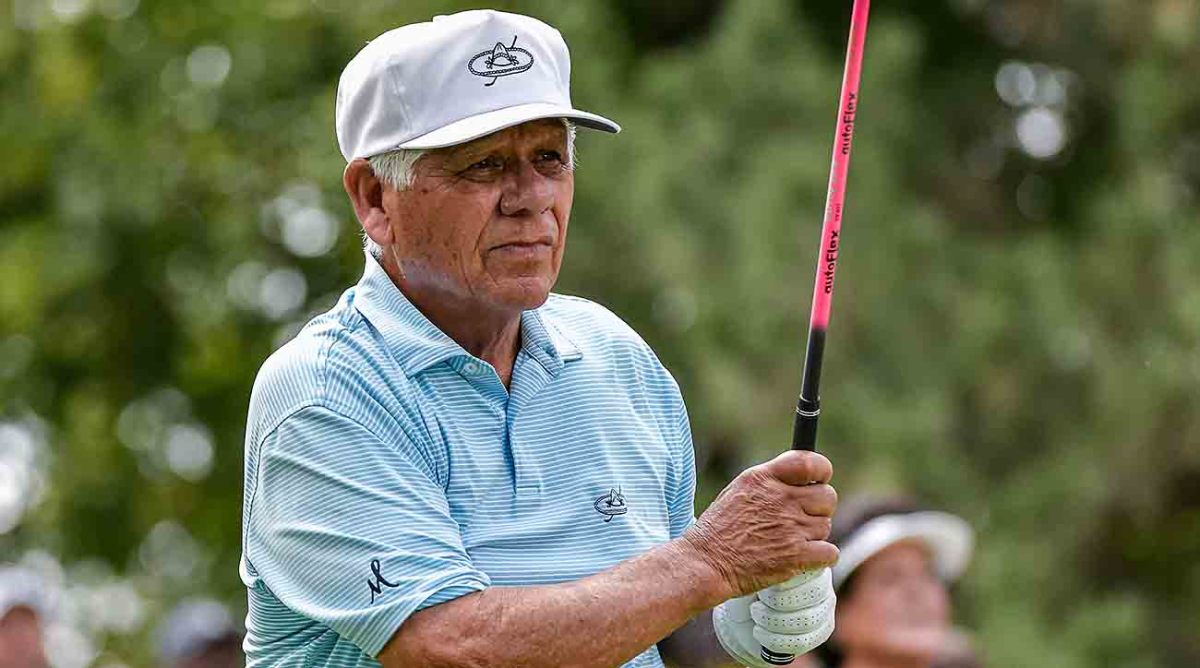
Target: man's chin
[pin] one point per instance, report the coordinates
(524, 293)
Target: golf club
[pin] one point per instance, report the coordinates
(808, 407)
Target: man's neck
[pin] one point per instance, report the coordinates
(492, 336)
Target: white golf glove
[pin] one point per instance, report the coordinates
(792, 617)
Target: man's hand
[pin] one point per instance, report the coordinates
(769, 524)
(789, 618)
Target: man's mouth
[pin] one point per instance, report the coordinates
(523, 248)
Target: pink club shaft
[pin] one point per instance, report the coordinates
(808, 407)
(847, 110)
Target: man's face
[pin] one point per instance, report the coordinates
(485, 223)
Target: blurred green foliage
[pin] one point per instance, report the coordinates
(1016, 335)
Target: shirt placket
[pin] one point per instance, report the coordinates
(529, 377)
(484, 380)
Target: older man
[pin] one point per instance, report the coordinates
(455, 467)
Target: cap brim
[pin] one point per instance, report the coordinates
(483, 124)
(949, 538)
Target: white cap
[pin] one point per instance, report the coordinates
(949, 539)
(454, 79)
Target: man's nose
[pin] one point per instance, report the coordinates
(526, 191)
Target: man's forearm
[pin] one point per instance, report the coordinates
(603, 620)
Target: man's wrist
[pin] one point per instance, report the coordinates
(710, 586)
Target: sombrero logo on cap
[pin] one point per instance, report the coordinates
(500, 61)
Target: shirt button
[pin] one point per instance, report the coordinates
(472, 368)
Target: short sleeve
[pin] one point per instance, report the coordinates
(681, 492)
(351, 531)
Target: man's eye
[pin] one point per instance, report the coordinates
(487, 164)
(550, 156)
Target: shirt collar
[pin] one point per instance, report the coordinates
(418, 344)
(545, 342)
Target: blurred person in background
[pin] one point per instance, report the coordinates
(23, 611)
(199, 633)
(897, 563)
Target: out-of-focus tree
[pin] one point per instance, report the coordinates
(1016, 335)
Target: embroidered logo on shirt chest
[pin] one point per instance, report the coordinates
(611, 504)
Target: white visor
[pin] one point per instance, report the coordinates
(949, 538)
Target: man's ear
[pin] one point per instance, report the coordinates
(366, 194)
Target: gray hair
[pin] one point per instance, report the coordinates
(398, 170)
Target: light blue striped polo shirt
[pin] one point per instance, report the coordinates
(388, 470)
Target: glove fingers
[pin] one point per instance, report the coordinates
(800, 578)
(799, 597)
(793, 644)
(797, 622)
